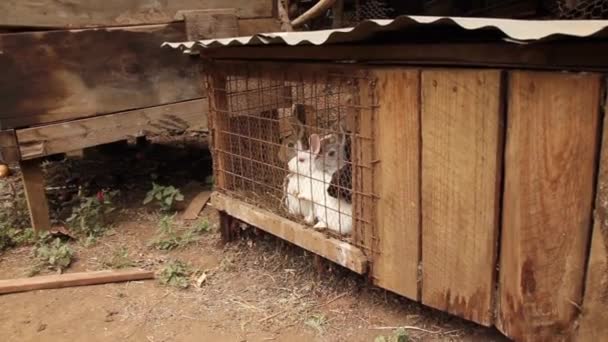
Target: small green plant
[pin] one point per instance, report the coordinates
(175, 274)
(14, 215)
(201, 227)
(120, 259)
(166, 196)
(399, 335)
(317, 322)
(209, 180)
(56, 255)
(167, 238)
(91, 217)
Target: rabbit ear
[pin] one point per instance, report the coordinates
(315, 144)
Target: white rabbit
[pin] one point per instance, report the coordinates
(328, 157)
(299, 184)
(298, 159)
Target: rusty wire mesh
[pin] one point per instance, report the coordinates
(285, 143)
(578, 9)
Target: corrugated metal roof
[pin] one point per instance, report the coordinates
(523, 31)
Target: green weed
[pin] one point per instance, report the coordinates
(91, 217)
(166, 196)
(175, 274)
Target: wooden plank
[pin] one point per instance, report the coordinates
(461, 154)
(594, 316)
(51, 139)
(72, 74)
(205, 24)
(94, 13)
(196, 205)
(57, 281)
(9, 149)
(340, 252)
(397, 180)
(551, 144)
(556, 56)
(219, 123)
(249, 27)
(33, 184)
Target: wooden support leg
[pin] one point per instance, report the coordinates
(229, 227)
(33, 182)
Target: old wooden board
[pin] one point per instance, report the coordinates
(551, 144)
(57, 281)
(397, 181)
(340, 252)
(196, 205)
(51, 139)
(33, 184)
(60, 75)
(9, 150)
(461, 153)
(574, 55)
(94, 13)
(594, 316)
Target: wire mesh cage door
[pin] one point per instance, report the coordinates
(296, 140)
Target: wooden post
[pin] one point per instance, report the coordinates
(550, 160)
(33, 181)
(594, 315)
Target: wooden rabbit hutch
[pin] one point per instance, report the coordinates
(468, 172)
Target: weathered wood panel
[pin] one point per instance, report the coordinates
(93, 13)
(207, 24)
(46, 140)
(397, 182)
(551, 146)
(340, 252)
(60, 75)
(594, 318)
(461, 156)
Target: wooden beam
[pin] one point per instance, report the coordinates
(33, 183)
(83, 73)
(461, 163)
(594, 315)
(94, 13)
(397, 180)
(51, 139)
(574, 56)
(57, 281)
(9, 149)
(205, 24)
(550, 163)
(340, 252)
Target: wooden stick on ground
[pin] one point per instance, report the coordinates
(72, 279)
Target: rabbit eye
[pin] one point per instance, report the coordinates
(331, 153)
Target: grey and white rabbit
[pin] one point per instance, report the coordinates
(328, 156)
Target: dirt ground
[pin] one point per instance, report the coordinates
(256, 289)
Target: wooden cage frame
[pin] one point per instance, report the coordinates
(485, 183)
